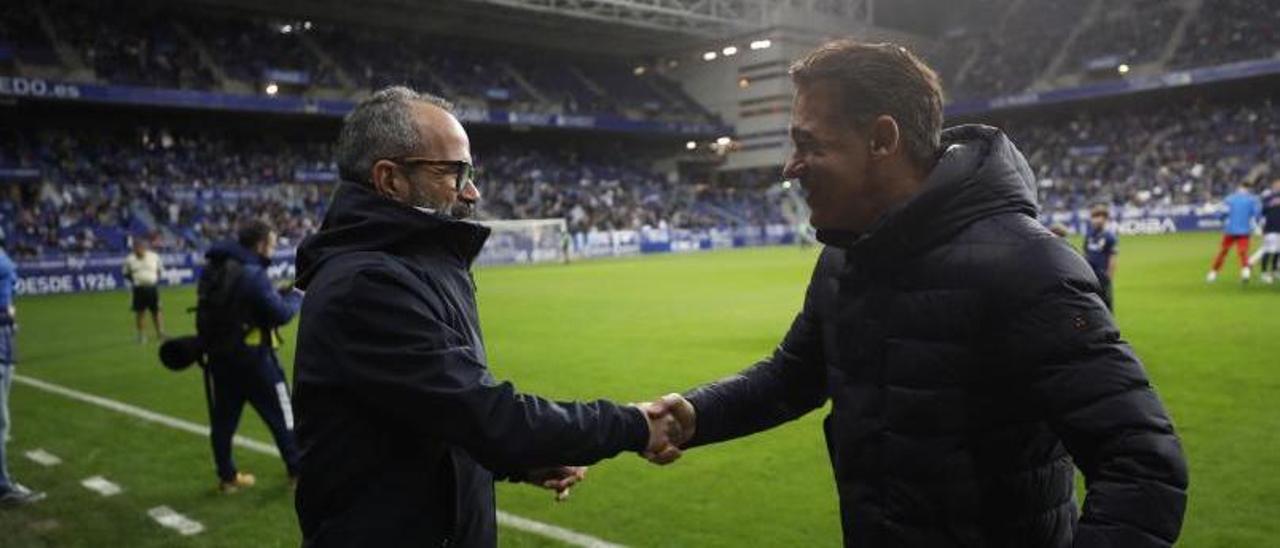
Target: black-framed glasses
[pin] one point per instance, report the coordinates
(464, 172)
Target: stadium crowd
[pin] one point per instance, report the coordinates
(1013, 44)
(1134, 33)
(85, 194)
(1231, 30)
(90, 193)
(161, 46)
(1157, 155)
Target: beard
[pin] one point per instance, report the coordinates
(457, 209)
(462, 210)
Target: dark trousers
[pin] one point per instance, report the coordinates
(252, 375)
(1104, 282)
(6, 380)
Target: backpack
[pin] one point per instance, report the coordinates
(220, 318)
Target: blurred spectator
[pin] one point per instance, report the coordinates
(1153, 155)
(1133, 34)
(157, 45)
(126, 43)
(1231, 30)
(194, 189)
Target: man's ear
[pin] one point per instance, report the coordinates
(883, 137)
(384, 180)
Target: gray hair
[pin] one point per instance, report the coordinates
(381, 126)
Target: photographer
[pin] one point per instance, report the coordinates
(237, 314)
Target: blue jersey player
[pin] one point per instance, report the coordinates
(1100, 250)
(1271, 233)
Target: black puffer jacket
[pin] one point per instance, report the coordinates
(400, 425)
(970, 362)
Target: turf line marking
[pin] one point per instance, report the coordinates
(567, 536)
(551, 531)
(167, 517)
(101, 486)
(138, 412)
(43, 458)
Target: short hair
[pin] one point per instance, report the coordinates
(253, 232)
(1100, 210)
(380, 126)
(881, 79)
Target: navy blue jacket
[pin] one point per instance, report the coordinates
(970, 363)
(1099, 246)
(1271, 212)
(8, 287)
(401, 427)
(265, 308)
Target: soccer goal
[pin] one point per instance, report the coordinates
(526, 241)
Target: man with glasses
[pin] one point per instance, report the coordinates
(401, 427)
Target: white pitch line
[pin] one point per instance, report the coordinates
(102, 486)
(43, 458)
(171, 519)
(138, 412)
(567, 536)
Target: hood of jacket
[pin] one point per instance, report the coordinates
(230, 249)
(979, 174)
(358, 219)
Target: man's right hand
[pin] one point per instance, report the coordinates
(672, 420)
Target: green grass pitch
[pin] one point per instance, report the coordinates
(627, 330)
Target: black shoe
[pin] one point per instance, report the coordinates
(18, 495)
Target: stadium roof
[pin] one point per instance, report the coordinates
(611, 27)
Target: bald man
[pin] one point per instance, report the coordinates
(401, 426)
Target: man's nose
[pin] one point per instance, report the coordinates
(470, 192)
(793, 169)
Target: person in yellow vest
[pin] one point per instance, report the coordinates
(142, 270)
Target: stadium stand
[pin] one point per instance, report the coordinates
(22, 38)
(1231, 30)
(128, 46)
(1003, 48)
(1133, 34)
(87, 191)
(160, 46)
(91, 193)
(95, 191)
(1163, 154)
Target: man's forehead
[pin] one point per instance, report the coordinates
(443, 132)
(815, 109)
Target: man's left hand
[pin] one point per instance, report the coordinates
(557, 478)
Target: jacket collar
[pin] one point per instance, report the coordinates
(980, 173)
(230, 249)
(358, 219)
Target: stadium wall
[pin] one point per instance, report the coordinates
(78, 274)
(21, 88)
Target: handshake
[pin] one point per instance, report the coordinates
(671, 421)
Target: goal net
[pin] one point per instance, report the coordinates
(526, 241)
